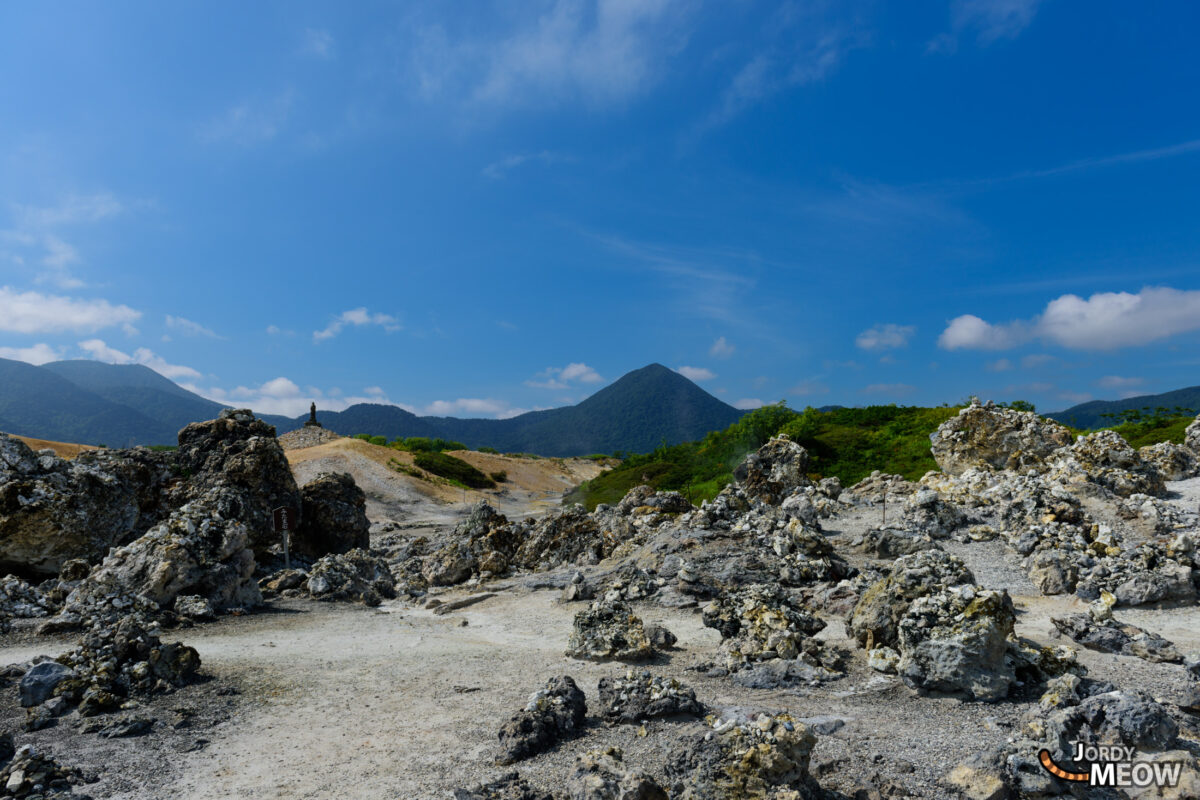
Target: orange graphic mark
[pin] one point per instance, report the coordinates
(1059, 772)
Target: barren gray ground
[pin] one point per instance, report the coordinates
(336, 700)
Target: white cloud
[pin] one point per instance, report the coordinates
(499, 169)
(33, 312)
(99, 350)
(889, 389)
(989, 20)
(721, 348)
(1104, 321)
(1119, 382)
(37, 354)
(696, 373)
(562, 377)
(318, 43)
(747, 403)
(284, 396)
(357, 317)
(999, 365)
(885, 336)
(601, 53)
(189, 328)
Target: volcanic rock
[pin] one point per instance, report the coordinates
(759, 757)
(52, 511)
(356, 575)
(635, 696)
(609, 629)
(875, 618)
(236, 451)
(1000, 438)
(774, 470)
(333, 517)
(510, 786)
(1106, 460)
(602, 775)
(956, 641)
(198, 551)
(551, 715)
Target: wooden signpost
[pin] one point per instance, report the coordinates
(285, 522)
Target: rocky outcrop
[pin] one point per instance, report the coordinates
(773, 471)
(356, 575)
(609, 629)
(1106, 460)
(333, 517)
(52, 511)
(602, 775)
(876, 617)
(551, 715)
(767, 637)
(1098, 630)
(635, 696)
(926, 512)
(995, 437)
(1175, 462)
(759, 756)
(198, 551)
(1191, 436)
(116, 662)
(238, 452)
(956, 641)
(30, 774)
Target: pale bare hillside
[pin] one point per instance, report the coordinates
(61, 449)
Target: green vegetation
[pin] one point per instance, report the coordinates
(500, 476)
(454, 470)
(1146, 426)
(846, 442)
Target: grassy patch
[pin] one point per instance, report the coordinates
(453, 469)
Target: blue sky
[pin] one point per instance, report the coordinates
(488, 212)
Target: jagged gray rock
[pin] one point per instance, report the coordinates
(53, 511)
(609, 629)
(602, 775)
(876, 616)
(333, 517)
(550, 715)
(1000, 438)
(774, 470)
(238, 452)
(356, 575)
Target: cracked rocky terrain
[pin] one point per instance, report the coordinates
(789, 639)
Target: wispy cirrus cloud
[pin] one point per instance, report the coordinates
(357, 317)
(250, 122)
(987, 20)
(721, 348)
(499, 169)
(596, 52)
(188, 328)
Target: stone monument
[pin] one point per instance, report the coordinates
(312, 417)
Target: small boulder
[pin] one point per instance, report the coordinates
(39, 682)
(551, 715)
(609, 629)
(635, 696)
(602, 775)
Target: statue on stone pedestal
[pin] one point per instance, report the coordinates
(312, 417)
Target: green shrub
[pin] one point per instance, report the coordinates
(366, 437)
(499, 476)
(423, 444)
(491, 450)
(379, 440)
(453, 469)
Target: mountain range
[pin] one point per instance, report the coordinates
(90, 402)
(1091, 414)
